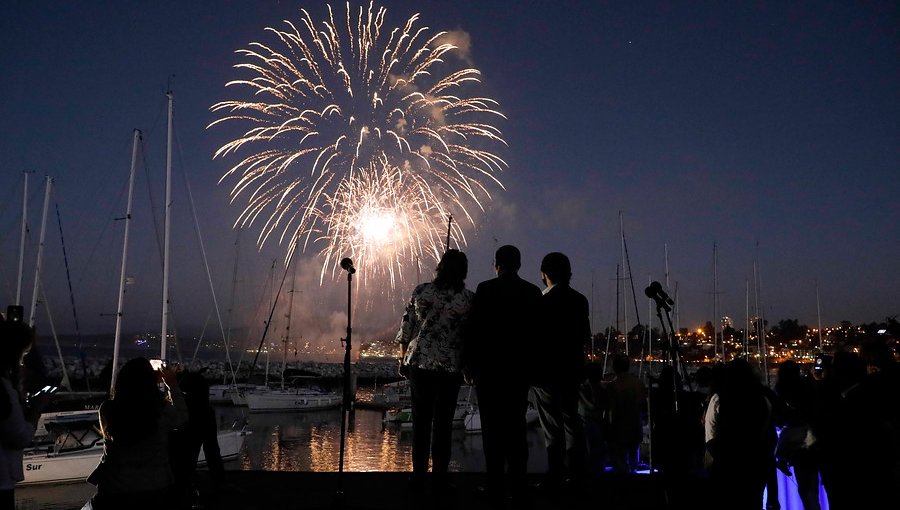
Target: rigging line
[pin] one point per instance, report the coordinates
(153, 212)
(79, 344)
(200, 340)
(257, 310)
(110, 215)
(637, 313)
(212, 289)
(271, 313)
(65, 381)
(610, 329)
(36, 192)
(160, 112)
(762, 312)
(230, 311)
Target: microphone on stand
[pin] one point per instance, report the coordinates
(347, 265)
(656, 293)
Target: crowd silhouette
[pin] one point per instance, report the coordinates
(717, 440)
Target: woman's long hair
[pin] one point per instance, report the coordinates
(452, 271)
(136, 403)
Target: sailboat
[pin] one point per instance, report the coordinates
(73, 444)
(286, 398)
(230, 441)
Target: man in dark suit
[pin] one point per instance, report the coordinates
(565, 331)
(502, 322)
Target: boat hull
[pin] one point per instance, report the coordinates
(291, 401)
(41, 467)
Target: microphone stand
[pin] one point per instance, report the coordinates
(674, 354)
(345, 403)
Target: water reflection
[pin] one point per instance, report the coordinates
(310, 441)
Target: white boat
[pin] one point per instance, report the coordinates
(403, 416)
(231, 393)
(220, 393)
(395, 394)
(237, 395)
(287, 397)
(300, 399)
(42, 467)
(46, 421)
(55, 465)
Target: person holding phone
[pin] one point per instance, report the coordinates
(17, 419)
(135, 471)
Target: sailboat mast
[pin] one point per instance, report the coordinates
(592, 316)
(120, 308)
(40, 253)
(716, 304)
(747, 321)
(760, 317)
(166, 231)
(819, 316)
(624, 291)
(618, 280)
(22, 240)
(757, 322)
(287, 331)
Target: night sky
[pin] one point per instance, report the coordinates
(767, 129)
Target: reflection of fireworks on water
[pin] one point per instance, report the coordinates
(360, 139)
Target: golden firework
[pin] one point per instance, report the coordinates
(360, 140)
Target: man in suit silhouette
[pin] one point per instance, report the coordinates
(565, 331)
(501, 338)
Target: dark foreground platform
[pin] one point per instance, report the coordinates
(248, 490)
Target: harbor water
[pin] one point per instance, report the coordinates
(308, 441)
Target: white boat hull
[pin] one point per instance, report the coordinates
(64, 468)
(291, 401)
(41, 467)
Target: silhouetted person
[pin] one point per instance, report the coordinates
(741, 442)
(676, 435)
(135, 471)
(796, 445)
(853, 431)
(883, 384)
(593, 410)
(703, 380)
(499, 341)
(201, 431)
(626, 403)
(565, 332)
(17, 417)
(430, 338)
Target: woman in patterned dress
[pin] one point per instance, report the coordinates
(430, 337)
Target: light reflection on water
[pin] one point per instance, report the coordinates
(310, 441)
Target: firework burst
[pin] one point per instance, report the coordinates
(360, 140)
